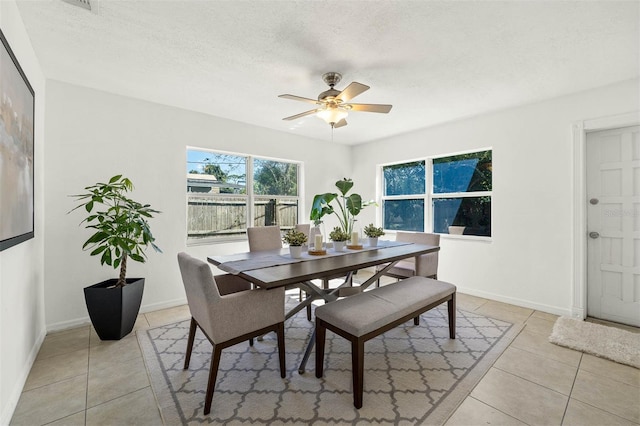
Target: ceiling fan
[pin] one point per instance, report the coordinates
(333, 105)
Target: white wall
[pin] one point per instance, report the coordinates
(528, 261)
(22, 325)
(93, 135)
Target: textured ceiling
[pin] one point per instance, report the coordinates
(435, 61)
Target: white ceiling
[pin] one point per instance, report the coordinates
(435, 61)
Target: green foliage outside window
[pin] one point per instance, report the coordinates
(275, 178)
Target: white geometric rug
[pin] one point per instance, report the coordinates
(606, 342)
(413, 375)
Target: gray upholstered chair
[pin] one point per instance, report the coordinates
(268, 238)
(228, 313)
(264, 238)
(305, 228)
(425, 265)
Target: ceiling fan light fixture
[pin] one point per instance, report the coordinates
(332, 115)
(333, 105)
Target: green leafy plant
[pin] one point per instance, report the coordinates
(294, 238)
(372, 232)
(120, 224)
(348, 206)
(338, 234)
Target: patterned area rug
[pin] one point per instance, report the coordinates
(413, 375)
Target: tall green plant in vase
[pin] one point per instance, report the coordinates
(121, 232)
(348, 206)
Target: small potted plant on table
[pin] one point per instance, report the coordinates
(295, 239)
(373, 233)
(121, 232)
(339, 238)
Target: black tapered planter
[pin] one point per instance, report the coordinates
(113, 311)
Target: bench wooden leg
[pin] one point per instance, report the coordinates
(320, 335)
(451, 308)
(357, 366)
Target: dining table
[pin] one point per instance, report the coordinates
(271, 269)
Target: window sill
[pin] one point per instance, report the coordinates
(467, 238)
(214, 241)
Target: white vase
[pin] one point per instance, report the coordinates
(456, 230)
(295, 251)
(339, 245)
(373, 241)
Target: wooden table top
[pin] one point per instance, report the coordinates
(320, 266)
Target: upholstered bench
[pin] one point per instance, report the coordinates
(366, 315)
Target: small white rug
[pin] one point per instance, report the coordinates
(599, 340)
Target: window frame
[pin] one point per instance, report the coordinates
(250, 197)
(429, 194)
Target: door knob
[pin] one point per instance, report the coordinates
(594, 235)
(594, 201)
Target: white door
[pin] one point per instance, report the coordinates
(613, 222)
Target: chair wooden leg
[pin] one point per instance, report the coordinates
(320, 335)
(251, 342)
(213, 373)
(280, 334)
(309, 313)
(357, 365)
(416, 320)
(192, 334)
(451, 308)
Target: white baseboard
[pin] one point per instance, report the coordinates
(556, 310)
(14, 397)
(578, 313)
(163, 305)
(66, 325)
(77, 322)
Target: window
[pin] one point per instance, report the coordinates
(458, 200)
(403, 199)
(225, 192)
(461, 194)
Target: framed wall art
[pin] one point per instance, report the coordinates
(16, 151)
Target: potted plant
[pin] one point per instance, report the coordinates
(121, 233)
(295, 239)
(373, 233)
(348, 206)
(339, 238)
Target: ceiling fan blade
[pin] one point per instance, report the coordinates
(371, 108)
(299, 98)
(302, 114)
(351, 91)
(340, 123)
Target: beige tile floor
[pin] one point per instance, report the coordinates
(78, 379)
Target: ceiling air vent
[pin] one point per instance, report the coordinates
(86, 4)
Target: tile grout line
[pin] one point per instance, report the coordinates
(538, 384)
(572, 386)
(526, 349)
(499, 410)
(144, 361)
(599, 407)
